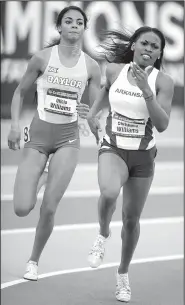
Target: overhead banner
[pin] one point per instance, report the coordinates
(27, 27)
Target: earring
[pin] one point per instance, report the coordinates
(132, 46)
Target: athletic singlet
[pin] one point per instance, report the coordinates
(59, 89)
(129, 125)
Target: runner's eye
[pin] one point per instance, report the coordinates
(156, 47)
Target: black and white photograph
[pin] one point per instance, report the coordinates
(92, 165)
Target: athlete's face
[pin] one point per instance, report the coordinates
(72, 26)
(147, 49)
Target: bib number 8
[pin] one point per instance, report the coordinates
(26, 134)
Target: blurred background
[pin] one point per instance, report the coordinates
(27, 26)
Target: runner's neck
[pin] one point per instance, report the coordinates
(69, 50)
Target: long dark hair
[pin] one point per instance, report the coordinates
(117, 45)
(59, 20)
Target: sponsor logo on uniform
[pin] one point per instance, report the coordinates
(53, 69)
(62, 93)
(104, 147)
(71, 141)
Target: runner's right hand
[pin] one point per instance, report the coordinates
(14, 138)
(94, 125)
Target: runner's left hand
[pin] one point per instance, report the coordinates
(140, 76)
(82, 110)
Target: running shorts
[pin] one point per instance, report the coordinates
(47, 137)
(140, 163)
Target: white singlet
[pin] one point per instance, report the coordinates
(129, 125)
(59, 89)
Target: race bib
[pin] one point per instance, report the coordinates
(60, 101)
(127, 127)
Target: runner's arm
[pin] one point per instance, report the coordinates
(28, 79)
(94, 82)
(101, 100)
(159, 108)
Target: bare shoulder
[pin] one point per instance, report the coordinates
(92, 65)
(41, 58)
(43, 53)
(113, 68)
(112, 71)
(164, 80)
(90, 61)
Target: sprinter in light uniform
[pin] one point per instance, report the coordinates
(140, 98)
(61, 72)
(130, 126)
